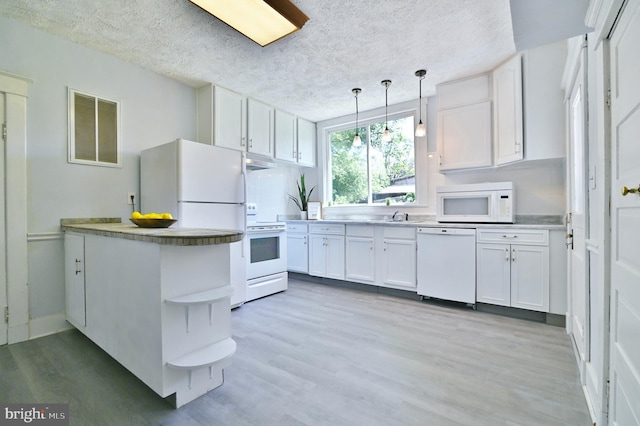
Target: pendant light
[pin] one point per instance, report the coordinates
(386, 136)
(420, 130)
(357, 141)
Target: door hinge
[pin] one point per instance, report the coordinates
(6, 314)
(4, 132)
(609, 98)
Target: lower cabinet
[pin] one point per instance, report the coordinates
(74, 278)
(326, 250)
(297, 248)
(360, 254)
(513, 268)
(397, 258)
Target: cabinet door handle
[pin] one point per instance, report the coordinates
(243, 141)
(305, 241)
(506, 254)
(513, 256)
(78, 270)
(250, 142)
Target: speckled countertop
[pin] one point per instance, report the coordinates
(432, 223)
(113, 227)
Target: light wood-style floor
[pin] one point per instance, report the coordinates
(321, 355)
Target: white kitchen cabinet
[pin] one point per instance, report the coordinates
(161, 310)
(544, 102)
(397, 257)
(464, 127)
(306, 142)
(297, 248)
(360, 254)
(508, 120)
(222, 117)
(260, 127)
(74, 271)
(513, 268)
(285, 137)
(326, 250)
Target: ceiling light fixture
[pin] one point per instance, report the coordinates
(357, 141)
(420, 130)
(262, 21)
(386, 136)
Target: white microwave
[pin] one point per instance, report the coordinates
(477, 203)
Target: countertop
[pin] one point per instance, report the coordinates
(112, 227)
(433, 224)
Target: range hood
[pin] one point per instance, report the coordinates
(259, 162)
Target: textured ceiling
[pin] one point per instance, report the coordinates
(345, 44)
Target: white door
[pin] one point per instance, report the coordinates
(360, 259)
(624, 402)
(3, 236)
(317, 256)
(578, 322)
(399, 266)
(530, 277)
(230, 119)
(334, 257)
(260, 123)
(493, 274)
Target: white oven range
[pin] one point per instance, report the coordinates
(267, 256)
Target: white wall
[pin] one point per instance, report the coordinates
(155, 110)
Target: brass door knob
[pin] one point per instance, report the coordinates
(626, 190)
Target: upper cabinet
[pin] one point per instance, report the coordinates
(464, 123)
(222, 117)
(544, 106)
(260, 119)
(507, 117)
(231, 120)
(306, 142)
(286, 146)
(512, 114)
(295, 139)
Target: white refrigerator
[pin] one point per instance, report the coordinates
(202, 186)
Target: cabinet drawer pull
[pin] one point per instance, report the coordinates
(509, 236)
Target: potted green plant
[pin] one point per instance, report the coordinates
(303, 197)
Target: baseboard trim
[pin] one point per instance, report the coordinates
(51, 324)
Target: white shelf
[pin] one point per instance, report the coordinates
(207, 356)
(208, 296)
(203, 297)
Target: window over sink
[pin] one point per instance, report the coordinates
(377, 172)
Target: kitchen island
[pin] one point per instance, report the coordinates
(156, 300)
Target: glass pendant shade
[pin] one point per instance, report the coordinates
(420, 129)
(386, 136)
(357, 141)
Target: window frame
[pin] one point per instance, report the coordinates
(365, 122)
(72, 130)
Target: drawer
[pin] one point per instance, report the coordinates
(360, 230)
(513, 236)
(297, 228)
(399, 232)
(333, 228)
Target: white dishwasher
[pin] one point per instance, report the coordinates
(447, 264)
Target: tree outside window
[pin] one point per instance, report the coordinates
(376, 172)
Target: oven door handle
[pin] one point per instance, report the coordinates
(275, 232)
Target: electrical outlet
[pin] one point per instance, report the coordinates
(131, 198)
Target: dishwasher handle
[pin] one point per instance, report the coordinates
(446, 231)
